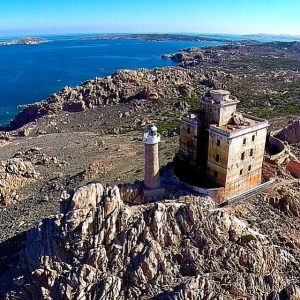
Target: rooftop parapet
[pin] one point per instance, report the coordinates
(193, 117)
(232, 130)
(221, 97)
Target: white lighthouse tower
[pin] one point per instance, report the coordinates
(152, 188)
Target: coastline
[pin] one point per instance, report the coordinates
(106, 90)
(69, 77)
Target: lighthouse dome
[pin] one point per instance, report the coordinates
(150, 135)
(151, 128)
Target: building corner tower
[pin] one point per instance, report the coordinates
(152, 188)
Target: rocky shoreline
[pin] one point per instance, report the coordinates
(123, 86)
(198, 70)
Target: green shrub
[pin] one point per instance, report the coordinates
(247, 238)
(169, 124)
(193, 102)
(291, 108)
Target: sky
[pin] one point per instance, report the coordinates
(144, 16)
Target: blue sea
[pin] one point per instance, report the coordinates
(31, 73)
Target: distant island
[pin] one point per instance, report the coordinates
(158, 37)
(25, 41)
(275, 37)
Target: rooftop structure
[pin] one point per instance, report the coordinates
(218, 107)
(223, 145)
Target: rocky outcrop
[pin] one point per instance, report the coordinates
(286, 199)
(132, 193)
(20, 171)
(122, 86)
(290, 133)
(99, 248)
(29, 113)
(14, 174)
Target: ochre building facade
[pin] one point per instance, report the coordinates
(223, 145)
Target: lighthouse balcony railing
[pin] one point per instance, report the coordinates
(151, 139)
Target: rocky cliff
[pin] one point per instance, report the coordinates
(122, 86)
(101, 248)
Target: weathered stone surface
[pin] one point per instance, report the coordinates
(99, 248)
(132, 193)
(286, 199)
(291, 133)
(122, 86)
(14, 174)
(21, 170)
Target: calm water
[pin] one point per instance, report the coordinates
(30, 73)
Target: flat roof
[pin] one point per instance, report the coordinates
(220, 92)
(226, 100)
(251, 123)
(195, 121)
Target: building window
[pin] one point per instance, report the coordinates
(216, 174)
(218, 143)
(243, 156)
(249, 168)
(251, 152)
(253, 138)
(244, 141)
(217, 157)
(188, 130)
(241, 172)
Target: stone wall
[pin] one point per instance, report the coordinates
(188, 147)
(244, 183)
(218, 147)
(218, 114)
(236, 163)
(217, 194)
(245, 158)
(279, 150)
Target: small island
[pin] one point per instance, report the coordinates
(25, 41)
